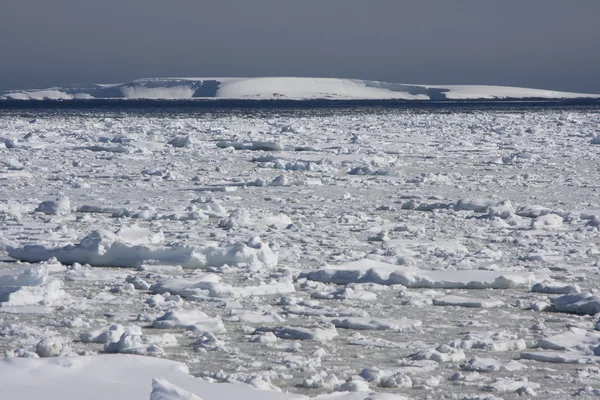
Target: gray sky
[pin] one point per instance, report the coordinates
(550, 44)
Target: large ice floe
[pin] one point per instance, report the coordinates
(367, 270)
(133, 246)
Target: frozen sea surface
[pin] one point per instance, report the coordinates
(447, 251)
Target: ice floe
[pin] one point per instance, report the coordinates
(368, 270)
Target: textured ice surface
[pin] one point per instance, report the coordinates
(417, 253)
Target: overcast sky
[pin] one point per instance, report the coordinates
(550, 44)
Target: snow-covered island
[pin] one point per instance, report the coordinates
(292, 88)
(339, 252)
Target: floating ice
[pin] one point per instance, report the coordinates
(131, 247)
(579, 303)
(299, 333)
(185, 319)
(61, 206)
(368, 270)
(573, 339)
(210, 286)
(460, 301)
(26, 286)
(375, 324)
(492, 365)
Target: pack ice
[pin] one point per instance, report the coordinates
(447, 252)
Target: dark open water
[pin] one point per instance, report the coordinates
(192, 107)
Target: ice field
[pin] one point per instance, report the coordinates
(348, 253)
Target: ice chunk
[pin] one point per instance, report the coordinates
(131, 247)
(188, 319)
(26, 286)
(61, 206)
(549, 288)
(460, 301)
(368, 270)
(299, 333)
(574, 338)
(375, 324)
(492, 365)
(579, 303)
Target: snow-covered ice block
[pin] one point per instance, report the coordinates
(492, 365)
(133, 246)
(561, 357)
(299, 333)
(60, 206)
(510, 385)
(574, 338)
(460, 301)
(367, 270)
(362, 323)
(547, 221)
(26, 286)
(189, 318)
(255, 146)
(550, 288)
(478, 204)
(441, 354)
(579, 303)
(107, 334)
(490, 340)
(24, 276)
(209, 286)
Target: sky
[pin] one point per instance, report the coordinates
(548, 44)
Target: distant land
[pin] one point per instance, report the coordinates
(282, 88)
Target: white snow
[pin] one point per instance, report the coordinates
(111, 376)
(284, 87)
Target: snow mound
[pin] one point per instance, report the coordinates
(118, 376)
(163, 390)
(134, 246)
(281, 88)
(367, 270)
(29, 286)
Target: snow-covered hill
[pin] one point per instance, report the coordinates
(282, 88)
